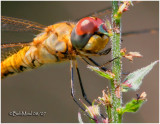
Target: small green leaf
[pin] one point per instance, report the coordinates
(134, 80)
(132, 106)
(106, 74)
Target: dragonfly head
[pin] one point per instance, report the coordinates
(89, 34)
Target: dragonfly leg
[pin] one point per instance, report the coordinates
(82, 89)
(95, 63)
(72, 90)
(101, 66)
(81, 85)
(109, 61)
(105, 52)
(72, 86)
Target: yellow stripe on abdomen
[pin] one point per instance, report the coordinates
(17, 62)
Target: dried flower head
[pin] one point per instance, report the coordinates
(105, 99)
(143, 96)
(130, 55)
(94, 112)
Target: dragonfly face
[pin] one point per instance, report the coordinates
(87, 37)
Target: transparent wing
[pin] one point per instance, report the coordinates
(20, 25)
(10, 49)
(14, 45)
(106, 13)
(15, 24)
(148, 31)
(103, 13)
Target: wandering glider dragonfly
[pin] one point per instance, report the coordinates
(63, 74)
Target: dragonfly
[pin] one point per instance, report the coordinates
(56, 43)
(64, 41)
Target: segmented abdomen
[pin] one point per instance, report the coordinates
(18, 62)
(52, 45)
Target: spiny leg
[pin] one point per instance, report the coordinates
(105, 52)
(95, 63)
(81, 85)
(72, 86)
(109, 61)
(100, 54)
(82, 89)
(72, 90)
(101, 66)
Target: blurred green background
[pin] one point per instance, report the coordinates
(47, 89)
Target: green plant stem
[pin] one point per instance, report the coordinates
(108, 110)
(116, 67)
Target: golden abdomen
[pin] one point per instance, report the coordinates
(52, 45)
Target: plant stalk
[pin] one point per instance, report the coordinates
(116, 66)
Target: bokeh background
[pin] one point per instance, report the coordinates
(47, 89)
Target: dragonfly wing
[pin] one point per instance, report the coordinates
(9, 49)
(15, 24)
(106, 13)
(14, 45)
(103, 13)
(148, 31)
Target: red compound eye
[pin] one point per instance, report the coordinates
(88, 25)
